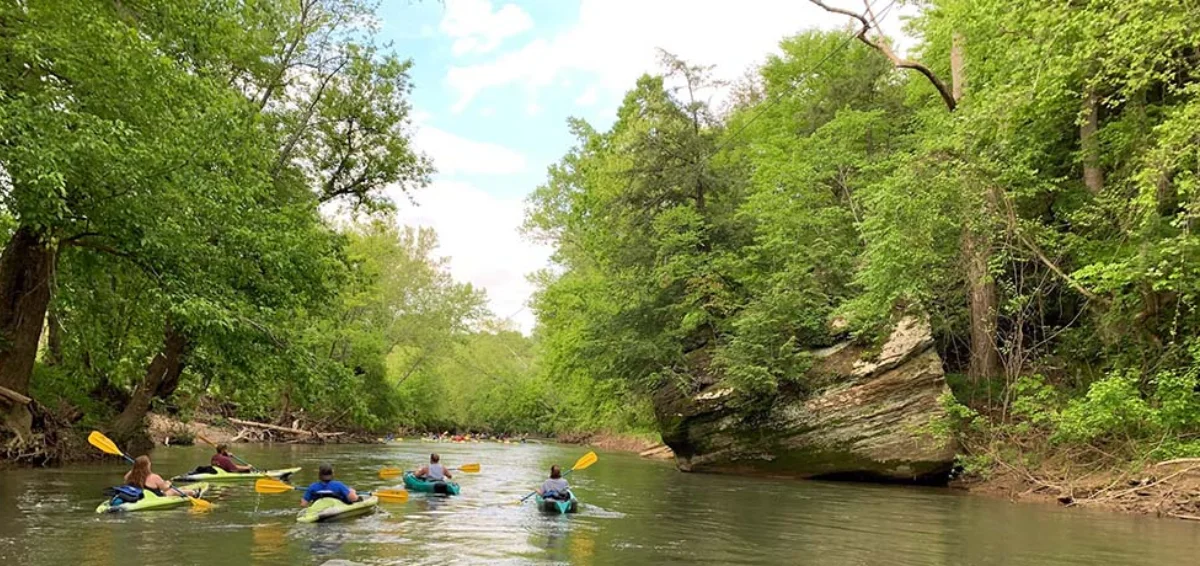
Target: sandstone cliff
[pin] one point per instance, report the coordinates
(861, 414)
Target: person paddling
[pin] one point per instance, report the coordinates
(223, 460)
(142, 477)
(329, 487)
(434, 470)
(556, 487)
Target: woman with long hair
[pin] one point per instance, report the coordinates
(142, 477)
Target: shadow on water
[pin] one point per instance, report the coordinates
(634, 512)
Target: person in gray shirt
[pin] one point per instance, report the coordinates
(556, 487)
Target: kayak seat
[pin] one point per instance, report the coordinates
(556, 496)
(202, 470)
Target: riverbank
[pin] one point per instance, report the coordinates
(165, 431)
(1164, 489)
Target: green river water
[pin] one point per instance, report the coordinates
(635, 512)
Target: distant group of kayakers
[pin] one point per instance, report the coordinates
(447, 436)
(325, 499)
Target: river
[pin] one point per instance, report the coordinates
(635, 512)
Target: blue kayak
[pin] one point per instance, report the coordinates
(559, 506)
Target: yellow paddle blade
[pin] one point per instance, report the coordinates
(469, 468)
(389, 473)
(104, 443)
(391, 495)
(205, 440)
(587, 460)
(200, 504)
(268, 485)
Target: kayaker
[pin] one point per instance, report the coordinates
(328, 487)
(223, 460)
(556, 487)
(434, 470)
(142, 477)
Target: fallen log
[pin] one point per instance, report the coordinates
(285, 429)
(14, 396)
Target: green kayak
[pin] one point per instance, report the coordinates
(217, 474)
(330, 509)
(557, 505)
(413, 483)
(150, 501)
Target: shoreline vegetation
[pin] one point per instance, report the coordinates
(190, 229)
(166, 431)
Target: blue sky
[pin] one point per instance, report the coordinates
(497, 80)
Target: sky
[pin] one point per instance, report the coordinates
(495, 82)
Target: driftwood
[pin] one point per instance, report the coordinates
(285, 429)
(13, 396)
(1179, 461)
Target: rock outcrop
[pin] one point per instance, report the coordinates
(858, 414)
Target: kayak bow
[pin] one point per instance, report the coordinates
(222, 476)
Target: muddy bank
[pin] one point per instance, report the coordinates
(164, 430)
(1165, 489)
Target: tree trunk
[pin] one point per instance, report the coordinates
(977, 253)
(981, 305)
(1089, 145)
(958, 79)
(25, 270)
(162, 376)
(54, 355)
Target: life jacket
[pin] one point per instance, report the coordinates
(330, 493)
(124, 494)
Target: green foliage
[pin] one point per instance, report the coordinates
(838, 186)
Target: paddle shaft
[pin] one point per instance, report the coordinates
(235, 457)
(130, 460)
(533, 493)
(361, 496)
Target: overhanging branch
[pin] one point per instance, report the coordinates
(868, 21)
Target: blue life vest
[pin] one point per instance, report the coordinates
(124, 494)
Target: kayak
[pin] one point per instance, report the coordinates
(150, 501)
(222, 475)
(331, 509)
(413, 483)
(557, 505)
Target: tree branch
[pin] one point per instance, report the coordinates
(880, 44)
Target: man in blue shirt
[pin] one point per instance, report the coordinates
(328, 487)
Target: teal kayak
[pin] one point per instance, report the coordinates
(218, 474)
(150, 501)
(413, 483)
(330, 509)
(558, 505)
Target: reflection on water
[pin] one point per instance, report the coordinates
(635, 512)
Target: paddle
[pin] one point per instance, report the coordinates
(214, 445)
(582, 463)
(391, 473)
(273, 486)
(106, 445)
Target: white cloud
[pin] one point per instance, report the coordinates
(453, 154)
(615, 48)
(588, 97)
(479, 233)
(477, 29)
(532, 109)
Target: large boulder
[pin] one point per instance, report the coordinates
(859, 413)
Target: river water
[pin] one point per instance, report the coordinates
(635, 512)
